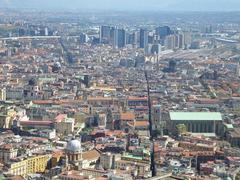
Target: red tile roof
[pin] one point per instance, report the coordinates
(40, 123)
(141, 123)
(127, 116)
(60, 117)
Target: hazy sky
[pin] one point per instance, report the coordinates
(167, 5)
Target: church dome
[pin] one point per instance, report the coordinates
(74, 146)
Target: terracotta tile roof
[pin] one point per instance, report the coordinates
(127, 116)
(38, 139)
(17, 178)
(42, 102)
(100, 98)
(135, 98)
(60, 117)
(6, 146)
(91, 155)
(141, 123)
(101, 178)
(43, 123)
(208, 101)
(115, 133)
(74, 174)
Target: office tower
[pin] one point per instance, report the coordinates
(41, 31)
(105, 34)
(83, 38)
(187, 40)
(144, 41)
(46, 31)
(21, 32)
(32, 32)
(179, 41)
(115, 38)
(147, 49)
(112, 36)
(163, 31)
(95, 40)
(150, 39)
(172, 66)
(128, 38)
(175, 41)
(135, 39)
(156, 49)
(132, 39)
(208, 29)
(143, 38)
(119, 38)
(169, 42)
(156, 39)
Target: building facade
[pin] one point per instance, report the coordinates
(197, 122)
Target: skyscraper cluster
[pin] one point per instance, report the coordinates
(114, 36)
(152, 41)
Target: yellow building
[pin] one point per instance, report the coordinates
(3, 94)
(36, 164)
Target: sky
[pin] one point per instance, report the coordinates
(133, 5)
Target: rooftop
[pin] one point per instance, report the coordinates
(195, 116)
(127, 116)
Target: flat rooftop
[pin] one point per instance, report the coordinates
(195, 116)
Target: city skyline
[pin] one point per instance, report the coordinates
(133, 5)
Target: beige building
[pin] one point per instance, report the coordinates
(7, 152)
(141, 169)
(65, 126)
(6, 118)
(102, 119)
(84, 174)
(3, 94)
(106, 160)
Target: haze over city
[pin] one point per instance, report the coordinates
(135, 5)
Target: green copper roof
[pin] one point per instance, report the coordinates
(195, 116)
(229, 126)
(47, 79)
